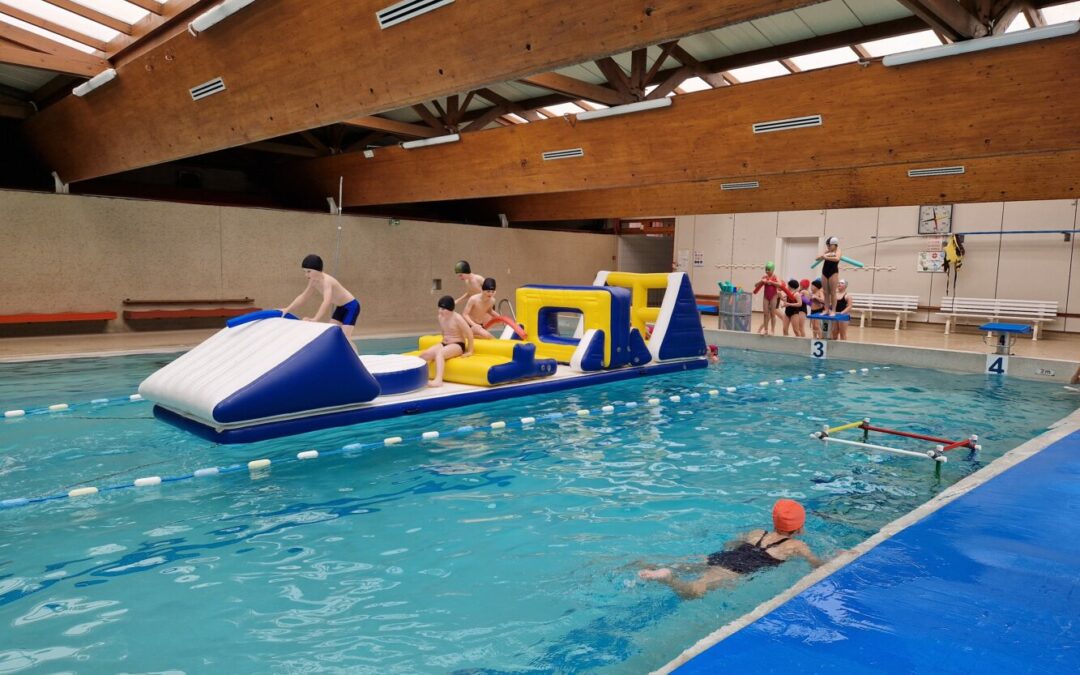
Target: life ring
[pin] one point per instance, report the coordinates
(509, 322)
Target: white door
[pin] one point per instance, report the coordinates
(796, 256)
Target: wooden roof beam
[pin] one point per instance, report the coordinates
(708, 134)
(92, 14)
(577, 88)
(948, 17)
(83, 65)
(152, 29)
(394, 127)
(149, 117)
(45, 24)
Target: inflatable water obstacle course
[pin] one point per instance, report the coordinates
(266, 376)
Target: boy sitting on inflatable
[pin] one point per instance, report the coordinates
(480, 309)
(457, 340)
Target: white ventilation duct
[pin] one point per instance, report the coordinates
(216, 15)
(94, 82)
(662, 102)
(438, 140)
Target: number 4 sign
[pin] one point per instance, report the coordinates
(997, 364)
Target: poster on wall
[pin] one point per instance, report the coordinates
(930, 261)
(682, 260)
(699, 259)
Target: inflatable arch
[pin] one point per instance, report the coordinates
(676, 326)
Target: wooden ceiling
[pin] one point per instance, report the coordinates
(320, 79)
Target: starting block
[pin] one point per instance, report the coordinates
(1004, 335)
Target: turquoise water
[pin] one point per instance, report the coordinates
(508, 551)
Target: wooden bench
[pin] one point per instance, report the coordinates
(187, 312)
(900, 305)
(58, 317)
(1034, 312)
(708, 304)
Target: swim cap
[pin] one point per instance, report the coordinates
(788, 515)
(832, 240)
(792, 283)
(816, 283)
(446, 302)
(770, 265)
(462, 267)
(312, 262)
(842, 282)
(488, 285)
(805, 283)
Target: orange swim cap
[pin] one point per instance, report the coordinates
(788, 515)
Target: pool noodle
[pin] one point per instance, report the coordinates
(843, 258)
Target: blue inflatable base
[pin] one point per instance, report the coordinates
(374, 411)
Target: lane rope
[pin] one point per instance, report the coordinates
(259, 467)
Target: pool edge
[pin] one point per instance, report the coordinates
(1054, 433)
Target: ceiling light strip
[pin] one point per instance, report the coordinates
(979, 44)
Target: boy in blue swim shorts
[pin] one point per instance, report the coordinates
(346, 307)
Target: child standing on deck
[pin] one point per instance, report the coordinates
(771, 283)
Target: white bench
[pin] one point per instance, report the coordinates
(1034, 312)
(900, 305)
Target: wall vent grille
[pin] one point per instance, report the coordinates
(564, 154)
(745, 185)
(405, 10)
(936, 171)
(205, 89)
(786, 125)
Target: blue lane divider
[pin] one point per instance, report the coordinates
(66, 407)
(258, 465)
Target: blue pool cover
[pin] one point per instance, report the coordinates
(989, 583)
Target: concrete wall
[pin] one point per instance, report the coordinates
(1029, 267)
(74, 253)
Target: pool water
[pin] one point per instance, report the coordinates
(491, 551)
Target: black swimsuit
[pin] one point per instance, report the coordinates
(841, 304)
(459, 344)
(747, 558)
(829, 268)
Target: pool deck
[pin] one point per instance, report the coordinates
(983, 578)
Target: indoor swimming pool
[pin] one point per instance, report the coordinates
(511, 549)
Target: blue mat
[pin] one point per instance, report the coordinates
(990, 583)
(708, 309)
(826, 317)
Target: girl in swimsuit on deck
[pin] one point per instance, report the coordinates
(830, 271)
(756, 550)
(771, 283)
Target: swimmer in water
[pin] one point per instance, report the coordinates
(751, 552)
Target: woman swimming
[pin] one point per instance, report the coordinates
(754, 551)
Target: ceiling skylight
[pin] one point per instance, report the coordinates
(1070, 11)
(762, 71)
(902, 43)
(829, 57)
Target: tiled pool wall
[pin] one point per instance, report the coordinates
(1023, 367)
